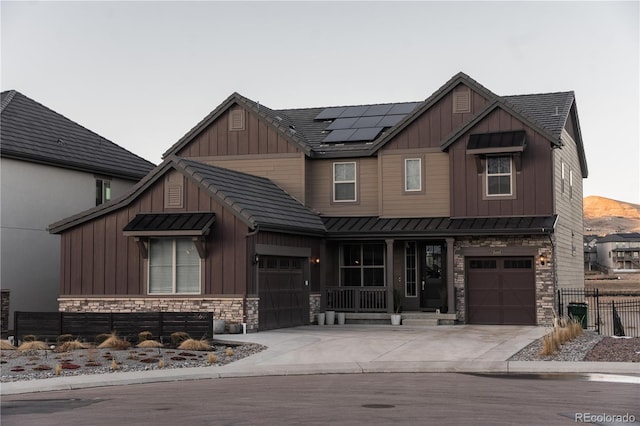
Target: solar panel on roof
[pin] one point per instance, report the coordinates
(367, 122)
(339, 135)
(330, 113)
(402, 108)
(354, 111)
(342, 123)
(365, 134)
(378, 110)
(390, 120)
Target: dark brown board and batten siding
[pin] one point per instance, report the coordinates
(113, 265)
(534, 182)
(258, 137)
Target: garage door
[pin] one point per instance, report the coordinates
(284, 297)
(501, 291)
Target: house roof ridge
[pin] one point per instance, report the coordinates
(348, 106)
(8, 97)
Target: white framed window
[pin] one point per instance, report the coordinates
(174, 266)
(411, 269)
(344, 182)
(571, 184)
(562, 178)
(499, 176)
(413, 174)
(103, 191)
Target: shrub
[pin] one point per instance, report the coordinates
(144, 335)
(549, 344)
(64, 338)
(178, 337)
(195, 345)
(100, 338)
(71, 346)
(114, 342)
(6, 346)
(35, 345)
(150, 344)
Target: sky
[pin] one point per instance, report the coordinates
(142, 74)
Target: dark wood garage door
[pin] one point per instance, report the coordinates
(501, 291)
(284, 296)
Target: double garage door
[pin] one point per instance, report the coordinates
(284, 295)
(501, 290)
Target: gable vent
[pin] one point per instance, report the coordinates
(462, 100)
(236, 120)
(174, 191)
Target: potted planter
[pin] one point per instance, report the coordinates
(341, 318)
(396, 319)
(331, 317)
(218, 326)
(321, 316)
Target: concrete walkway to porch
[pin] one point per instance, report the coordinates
(352, 349)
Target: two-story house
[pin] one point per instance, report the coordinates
(467, 202)
(619, 252)
(50, 168)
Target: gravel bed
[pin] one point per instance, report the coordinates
(42, 364)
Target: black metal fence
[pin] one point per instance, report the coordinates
(608, 313)
(50, 325)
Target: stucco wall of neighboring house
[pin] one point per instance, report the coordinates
(33, 197)
(568, 205)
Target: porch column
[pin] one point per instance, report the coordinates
(389, 273)
(451, 299)
(323, 276)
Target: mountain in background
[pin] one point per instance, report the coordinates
(606, 216)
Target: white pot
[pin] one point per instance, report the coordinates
(395, 319)
(341, 318)
(320, 318)
(331, 317)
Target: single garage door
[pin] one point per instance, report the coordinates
(284, 296)
(501, 290)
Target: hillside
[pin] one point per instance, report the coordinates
(606, 216)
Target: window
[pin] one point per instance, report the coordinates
(103, 191)
(571, 184)
(562, 178)
(344, 182)
(411, 270)
(174, 266)
(499, 176)
(413, 174)
(362, 265)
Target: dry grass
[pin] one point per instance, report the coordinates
(150, 344)
(228, 352)
(72, 346)
(114, 342)
(178, 337)
(144, 335)
(35, 345)
(564, 330)
(6, 346)
(194, 345)
(58, 369)
(549, 344)
(161, 364)
(212, 358)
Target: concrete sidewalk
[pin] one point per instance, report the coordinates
(356, 349)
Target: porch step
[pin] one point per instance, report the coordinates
(367, 318)
(425, 322)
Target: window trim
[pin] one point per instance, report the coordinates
(105, 192)
(335, 182)
(511, 174)
(174, 283)
(362, 266)
(411, 248)
(420, 189)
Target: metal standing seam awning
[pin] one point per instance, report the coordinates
(145, 225)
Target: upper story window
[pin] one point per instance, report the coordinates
(562, 178)
(571, 184)
(103, 191)
(344, 182)
(499, 176)
(412, 174)
(174, 266)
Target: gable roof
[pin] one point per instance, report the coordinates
(32, 132)
(257, 201)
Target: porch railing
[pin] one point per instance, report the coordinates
(357, 299)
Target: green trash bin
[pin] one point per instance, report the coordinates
(579, 312)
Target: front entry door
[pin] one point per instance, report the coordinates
(433, 282)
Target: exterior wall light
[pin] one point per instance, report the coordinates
(542, 259)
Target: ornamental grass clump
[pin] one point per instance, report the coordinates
(144, 335)
(114, 342)
(178, 337)
(194, 345)
(34, 345)
(6, 346)
(72, 345)
(150, 344)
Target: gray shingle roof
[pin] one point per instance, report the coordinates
(258, 200)
(32, 132)
(548, 110)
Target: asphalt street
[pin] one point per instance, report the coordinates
(392, 398)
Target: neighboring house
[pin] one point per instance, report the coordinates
(467, 202)
(619, 252)
(50, 168)
(590, 253)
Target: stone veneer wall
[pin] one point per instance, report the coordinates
(544, 274)
(229, 309)
(4, 316)
(314, 307)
